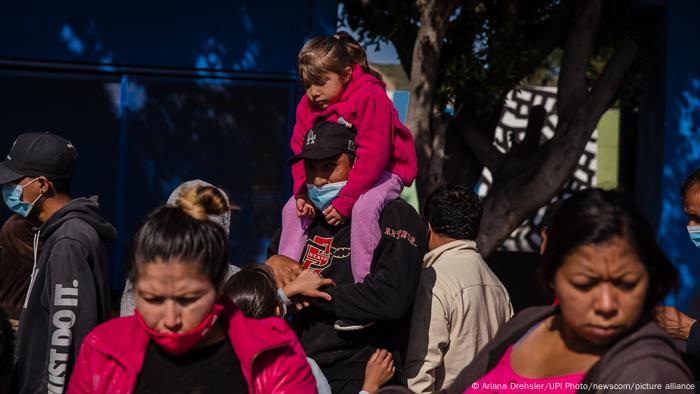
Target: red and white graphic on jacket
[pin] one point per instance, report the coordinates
(318, 254)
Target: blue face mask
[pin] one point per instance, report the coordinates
(322, 196)
(694, 232)
(12, 195)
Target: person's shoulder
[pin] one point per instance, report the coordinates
(399, 212)
(371, 94)
(251, 336)
(17, 223)
(648, 340)
(116, 334)
(401, 207)
(400, 221)
(16, 229)
(76, 230)
(647, 353)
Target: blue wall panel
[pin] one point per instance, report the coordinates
(681, 140)
(236, 35)
(156, 93)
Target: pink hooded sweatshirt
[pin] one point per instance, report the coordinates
(383, 142)
(271, 358)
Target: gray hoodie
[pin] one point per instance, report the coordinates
(68, 296)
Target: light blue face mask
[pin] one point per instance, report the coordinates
(694, 232)
(12, 195)
(322, 196)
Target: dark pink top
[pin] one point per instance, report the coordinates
(502, 379)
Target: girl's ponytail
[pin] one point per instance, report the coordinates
(357, 53)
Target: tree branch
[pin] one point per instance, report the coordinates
(610, 79)
(475, 139)
(577, 53)
(533, 132)
(543, 41)
(386, 22)
(434, 16)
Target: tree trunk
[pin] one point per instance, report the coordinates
(527, 182)
(424, 71)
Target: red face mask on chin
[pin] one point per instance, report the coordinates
(180, 343)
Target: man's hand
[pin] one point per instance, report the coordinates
(676, 323)
(380, 368)
(307, 284)
(333, 217)
(284, 268)
(305, 208)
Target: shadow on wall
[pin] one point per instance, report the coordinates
(682, 157)
(208, 35)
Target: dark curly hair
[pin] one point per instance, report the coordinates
(454, 211)
(595, 216)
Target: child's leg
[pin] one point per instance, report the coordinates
(293, 237)
(365, 232)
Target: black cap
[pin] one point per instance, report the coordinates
(326, 139)
(39, 154)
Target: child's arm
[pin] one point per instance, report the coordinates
(374, 143)
(380, 368)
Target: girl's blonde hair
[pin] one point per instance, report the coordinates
(334, 53)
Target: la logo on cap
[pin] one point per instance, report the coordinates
(311, 137)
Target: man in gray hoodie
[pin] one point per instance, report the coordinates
(69, 289)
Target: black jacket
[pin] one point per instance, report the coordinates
(68, 296)
(384, 297)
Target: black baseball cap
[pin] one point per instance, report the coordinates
(39, 154)
(326, 139)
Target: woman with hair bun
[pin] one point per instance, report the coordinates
(221, 215)
(184, 328)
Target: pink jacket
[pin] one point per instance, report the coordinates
(271, 358)
(383, 142)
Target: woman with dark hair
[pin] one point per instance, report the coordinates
(604, 266)
(183, 327)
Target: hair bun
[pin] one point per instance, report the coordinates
(201, 201)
